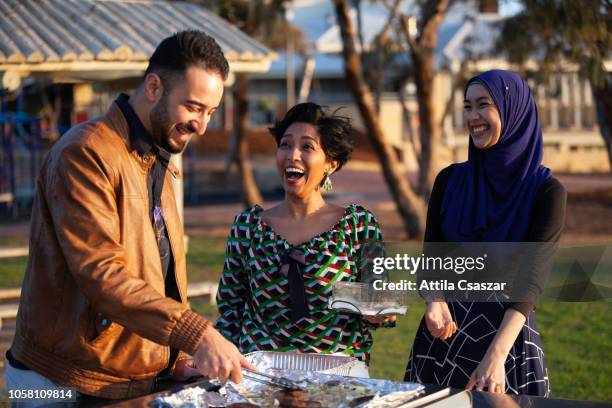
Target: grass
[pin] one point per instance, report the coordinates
(577, 337)
(392, 346)
(205, 258)
(577, 346)
(13, 241)
(204, 261)
(11, 271)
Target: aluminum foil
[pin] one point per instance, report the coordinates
(362, 298)
(324, 363)
(330, 390)
(324, 376)
(193, 397)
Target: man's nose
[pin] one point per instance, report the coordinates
(199, 125)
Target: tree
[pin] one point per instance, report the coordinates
(422, 53)
(576, 31)
(409, 205)
(248, 187)
(261, 19)
(367, 72)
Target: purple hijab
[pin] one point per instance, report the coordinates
(490, 196)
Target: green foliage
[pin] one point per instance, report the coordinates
(261, 19)
(550, 31)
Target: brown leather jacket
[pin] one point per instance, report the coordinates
(93, 314)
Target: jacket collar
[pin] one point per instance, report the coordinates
(139, 136)
(117, 120)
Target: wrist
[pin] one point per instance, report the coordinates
(497, 352)
(189, 332)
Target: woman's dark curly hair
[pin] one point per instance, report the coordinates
(335, 130)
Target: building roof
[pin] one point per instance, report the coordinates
(48, 35)
(475, 39)
(317, 19)
(326, 66)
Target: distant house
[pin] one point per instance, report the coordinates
(67, 59)
(469, 31)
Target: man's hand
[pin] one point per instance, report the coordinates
(439, 321)
(218, 358)
(184, 370)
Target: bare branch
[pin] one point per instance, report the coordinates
(408, 117)
(405, 27)
(375, 68)
(357, 5)
(349, 52)
(381, 37)
(432, 11)
(458, 80)
(409, 205)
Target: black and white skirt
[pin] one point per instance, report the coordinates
(451, 362)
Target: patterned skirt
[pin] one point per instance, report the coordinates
(451, 362)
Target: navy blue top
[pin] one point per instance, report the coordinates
(489, 197)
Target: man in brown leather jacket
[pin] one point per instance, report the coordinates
(104, 306)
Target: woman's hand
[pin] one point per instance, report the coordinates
(439, 321)
(490, 374)
(380, 320)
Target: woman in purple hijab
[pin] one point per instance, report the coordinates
(502, 193)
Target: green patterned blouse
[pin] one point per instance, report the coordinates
(253, 297)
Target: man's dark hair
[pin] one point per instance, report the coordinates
(186, 48)
(335, 130)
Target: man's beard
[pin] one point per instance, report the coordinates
(161, 126)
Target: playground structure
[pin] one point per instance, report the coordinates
(22, 149)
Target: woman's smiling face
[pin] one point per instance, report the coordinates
(481, 116)
(301, 160)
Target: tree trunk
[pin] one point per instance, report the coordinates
(423, 55)
(249, 192)
(429, 131)
(602, 96)
(407, 115)
(409, 205)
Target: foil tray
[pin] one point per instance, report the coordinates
(361, 298)
(312, 371)
(346, 394)
(324, 363)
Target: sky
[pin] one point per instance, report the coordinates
(509, 7)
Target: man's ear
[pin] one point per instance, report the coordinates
(153, 87)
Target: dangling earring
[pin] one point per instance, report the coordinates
(327, 183)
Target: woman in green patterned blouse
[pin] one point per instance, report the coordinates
(281, 262)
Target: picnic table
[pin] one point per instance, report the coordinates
(434, 397)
